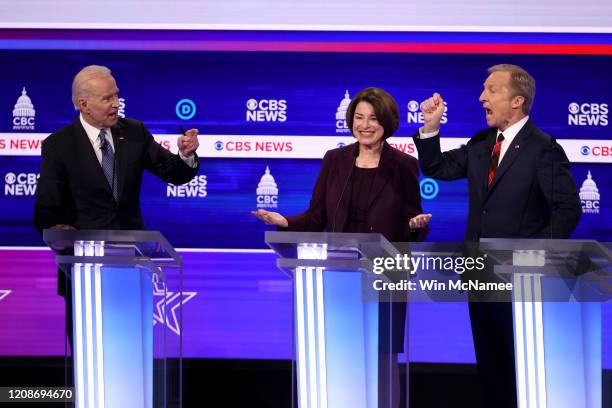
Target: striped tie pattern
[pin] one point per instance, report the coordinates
(108, 163)
(495, 158)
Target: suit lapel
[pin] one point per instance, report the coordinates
(383, 174)
(344, 168)
(90, 164)
(514, 150)
(119, 143)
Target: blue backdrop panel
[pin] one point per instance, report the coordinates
(312, 86)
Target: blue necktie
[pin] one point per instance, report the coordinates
(108, 163)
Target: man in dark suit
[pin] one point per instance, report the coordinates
(519, 186)
(91, 170)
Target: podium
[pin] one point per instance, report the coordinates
(343, 336)
(114, 279)
(557, 288)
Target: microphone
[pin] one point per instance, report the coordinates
(115, 178)
(560, 232)
(552, 187)
(114, 183)
(103, 149)
(355, 155)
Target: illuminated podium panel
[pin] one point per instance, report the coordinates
(119, 359)
(343, 331)
(556, 287)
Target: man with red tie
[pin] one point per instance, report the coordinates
(519, 186)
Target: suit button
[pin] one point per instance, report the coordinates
(484, 212)
(371, 228)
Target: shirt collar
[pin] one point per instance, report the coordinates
(512, 131)
(92, 132)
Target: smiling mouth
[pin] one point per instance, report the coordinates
(488, 111)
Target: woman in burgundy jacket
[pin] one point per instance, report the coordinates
(368, 187)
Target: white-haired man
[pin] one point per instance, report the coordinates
(91, 170)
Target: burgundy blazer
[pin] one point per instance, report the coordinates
(394, 199)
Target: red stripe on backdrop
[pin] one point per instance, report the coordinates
(429, 48)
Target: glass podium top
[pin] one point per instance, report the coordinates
(112, 247)
(568, 270)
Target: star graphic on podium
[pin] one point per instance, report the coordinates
(167, 304)
(4, 293)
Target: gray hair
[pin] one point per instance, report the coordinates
(521, 83)
(79, 87)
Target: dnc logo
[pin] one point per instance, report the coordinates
(185, 109)
(429, 188)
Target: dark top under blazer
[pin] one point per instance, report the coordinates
(533, 189)
(72, 188)
(395, 196)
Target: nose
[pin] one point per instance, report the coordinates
(115, 102)
(482, 96)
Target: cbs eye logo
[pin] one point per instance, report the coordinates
(10, 178)
(574, 108)
(413, 106)
(585, 150)
(251, 104)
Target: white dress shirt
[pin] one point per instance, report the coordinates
(509, 135)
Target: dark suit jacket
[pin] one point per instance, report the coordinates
(394, 199)
(72, 188)
(532, 192)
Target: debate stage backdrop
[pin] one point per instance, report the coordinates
(266, 117)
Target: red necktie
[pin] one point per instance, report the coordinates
(495, 158)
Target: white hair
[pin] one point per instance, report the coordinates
(79, 87)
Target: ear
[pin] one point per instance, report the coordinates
(82, 104)
(517, 101)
